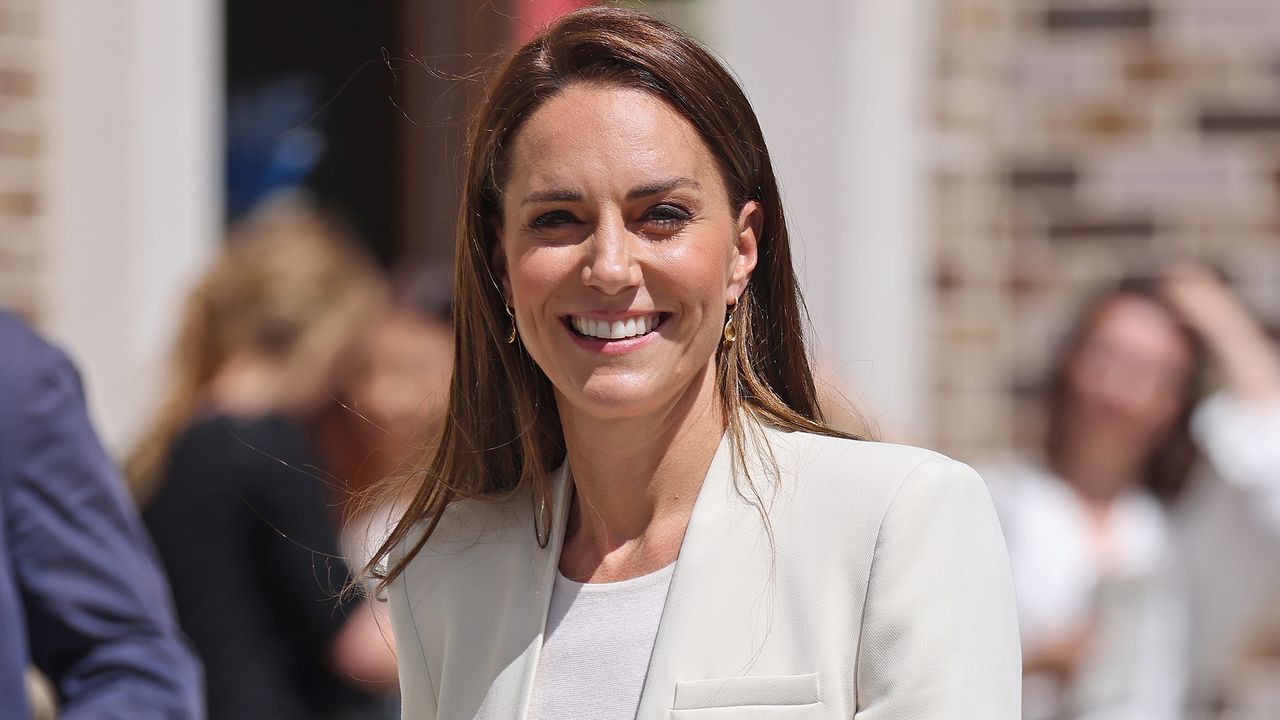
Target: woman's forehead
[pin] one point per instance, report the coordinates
(1140, 326)
(589, 134)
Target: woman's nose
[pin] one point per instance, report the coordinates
(611, 266)
(1133, 388)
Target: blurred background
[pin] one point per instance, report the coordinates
(960, 175)
(965, 170)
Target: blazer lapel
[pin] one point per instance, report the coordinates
(719, 596)
(718, 606)
(538, 594)
(497, 598)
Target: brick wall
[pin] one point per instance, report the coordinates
(21, 145)
(1078, 140)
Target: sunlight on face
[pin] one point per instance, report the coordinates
(619, 250)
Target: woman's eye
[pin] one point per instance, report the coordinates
(668, 214)
(553, 219)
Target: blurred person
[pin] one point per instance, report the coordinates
(391, 401)
(637, 509)
(1084, 522)
(231, 487)
(1226, 526)
(1097, 525)
(82, 596)
(388, 408)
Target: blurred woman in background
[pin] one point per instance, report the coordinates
(1097, 526)
(230, 486)
(1220, 575)
(388, 409)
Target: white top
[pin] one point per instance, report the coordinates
(597, 646)
(1057, 567)
(1171, 595)
(1226, 540)
(1065, 579)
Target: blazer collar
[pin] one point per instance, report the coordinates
(543, 564)
(704, 600)
(721, 583)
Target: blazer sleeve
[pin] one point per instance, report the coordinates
(100, 621)
(417, 691)
(940, 630)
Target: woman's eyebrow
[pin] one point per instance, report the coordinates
(662, 186)
(639, 191)
(553, 195)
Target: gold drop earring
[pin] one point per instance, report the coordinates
(730, 332)
(511, 336)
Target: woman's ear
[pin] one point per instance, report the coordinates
(498, 258)
(745, 248)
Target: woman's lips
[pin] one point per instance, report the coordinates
(620, 329)
(633, 332)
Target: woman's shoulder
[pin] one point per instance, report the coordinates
(867, 482)
(470, 524)
(861, 466)
(859, 500)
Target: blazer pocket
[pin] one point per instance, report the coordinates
(747, 691)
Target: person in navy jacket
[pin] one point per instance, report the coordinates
(81, 594)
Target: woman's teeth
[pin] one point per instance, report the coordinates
(616, 330)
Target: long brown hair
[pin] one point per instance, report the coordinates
(289, 285)
(503, 431)
(1165, 471)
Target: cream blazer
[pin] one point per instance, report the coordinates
(879, 589)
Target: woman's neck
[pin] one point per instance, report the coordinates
(1098, 468)
(635, 483)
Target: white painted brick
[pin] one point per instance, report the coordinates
(18, 116)
(1256, 268)
(1147, 176)
(19, 174)
(1058, 69)
(21, 53)
(1233, 23)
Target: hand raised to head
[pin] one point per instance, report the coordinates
(1233, 338)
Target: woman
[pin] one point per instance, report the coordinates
(1094, 526)
(231, 489)
(388, 409)
(1085, 523)
(636, 509)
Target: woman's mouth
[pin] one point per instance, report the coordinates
(632, 327)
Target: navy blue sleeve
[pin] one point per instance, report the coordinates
(99, 616)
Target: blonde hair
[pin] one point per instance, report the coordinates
(290, 284)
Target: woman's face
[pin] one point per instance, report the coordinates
(1127, 379)
(403, 386)
(619, 250)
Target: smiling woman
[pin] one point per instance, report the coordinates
(636, 510)
(614, 217)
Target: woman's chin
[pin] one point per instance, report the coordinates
(634, 395)
(616, 398)
(613, 404)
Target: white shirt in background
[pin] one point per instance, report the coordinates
(1064, 581)
(1173, 598)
